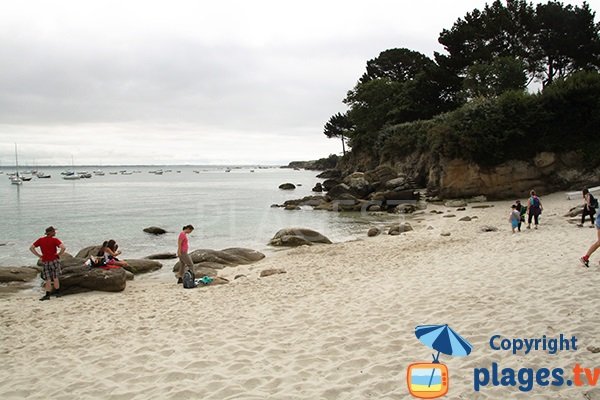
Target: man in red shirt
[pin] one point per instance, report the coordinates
(50, 259)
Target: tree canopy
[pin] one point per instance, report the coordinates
(491, 57)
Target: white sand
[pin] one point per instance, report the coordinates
(339, 325)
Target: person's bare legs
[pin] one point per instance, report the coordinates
(585, 260)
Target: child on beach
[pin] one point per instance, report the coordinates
(514, 218)
(522, 211)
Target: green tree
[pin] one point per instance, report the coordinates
(494, 78)
(567, 38)
(339, 125)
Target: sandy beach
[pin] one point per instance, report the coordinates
(339, 324)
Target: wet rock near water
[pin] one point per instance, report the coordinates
(18, 274)
(155, 230)
(162, 256)
(330, 173)
(318, 187)
(141, 266)
(287, 186)
(293, 237)
(455, 203)
(330, 184)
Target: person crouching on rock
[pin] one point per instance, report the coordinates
(185, 260)
(110, 255)
(589, 207)
(50, 260)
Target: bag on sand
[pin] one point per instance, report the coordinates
(189, 279)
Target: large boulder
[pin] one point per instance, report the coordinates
(155, 230)
(88, 252)
(358, 184)
(400, 183)
(17, 274)
(140, 266)
(318, 187)
(83, 279)
(330, 173)
(297, 237)
(380, 175)
(338, 190)
(305, 201)
(227, 257)
(67, 260)
(287, 186)
(330, 183)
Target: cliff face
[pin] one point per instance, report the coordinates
(454, 178)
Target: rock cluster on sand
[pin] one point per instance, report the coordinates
(208, 262)
(381, 189)
(400, 228)
(293, 237)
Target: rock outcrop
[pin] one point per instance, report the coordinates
(298, 237)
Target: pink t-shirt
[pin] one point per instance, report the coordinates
(184, 242)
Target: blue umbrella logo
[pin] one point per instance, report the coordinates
(442, 339)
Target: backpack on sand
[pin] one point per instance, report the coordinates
(189, 279)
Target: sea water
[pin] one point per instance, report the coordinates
(228, 209)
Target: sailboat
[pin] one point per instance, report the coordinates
(71, 175)
(16, 179)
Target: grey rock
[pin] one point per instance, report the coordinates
(297, 237)
(83, 279)
(330, 183)
(162, 256)
(287, 186)
(155, 230)
(374, 232)
(330, 173)
(400, 228)
(445, 234)
(17, 274)
(318, 187)
(140, 266)
(87, 252)
(482, 206)
(449, 216)
(461, 209)
(465, 219)
(291, 207)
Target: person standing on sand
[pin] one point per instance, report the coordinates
(589, 207)
(514, 218)
(534, 209)
(185, 260)
(522, 210)
(585, 260)
(50, 259)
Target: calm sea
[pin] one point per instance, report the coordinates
(228, 209)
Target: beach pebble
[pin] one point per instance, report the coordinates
(430, 228)
(287, 186)
(483, 206)
(489, 228)
(374, 208)
(449, 216)
(461, 209)
(445, 234)
(272, 271)
(593, 349)
(465, 219)
(400, 228)
(374, 232)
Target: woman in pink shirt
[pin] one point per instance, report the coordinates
(185, 261)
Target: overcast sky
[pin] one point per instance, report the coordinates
(193, 82)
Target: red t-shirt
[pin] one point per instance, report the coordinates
(184, 242)
(48, 245)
